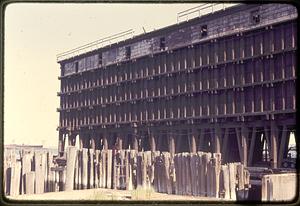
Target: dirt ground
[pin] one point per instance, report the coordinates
(109, 194)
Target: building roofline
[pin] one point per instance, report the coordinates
(164, 30)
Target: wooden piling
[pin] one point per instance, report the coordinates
(91, 169)
(84, 173)
(39, 175)
(70, 170)
(232, 180)
(29, 183)
(109, 169)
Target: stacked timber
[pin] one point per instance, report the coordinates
(32, 172)
(197, 174)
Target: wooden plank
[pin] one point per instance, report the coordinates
(149, 177)
(252, 144)
(179, 175)
(201, 140)
(232, 180)
(79, 157)
(274, 144)
(96, 168)
(192, 141)
(238, 138)
(183, 174)
(15, 178)
(244, 144)
(70, 168)
(217, 170)
(114, 169)
(39, 176)
(139, 169)
(225, 182)
(76, 171)
(224, 145)
(167, 179)
(193, 159)
(198, 173)
(104, 168)
(188, 174)
(241, 183)
(282, 145)
(213, 179)
(155, 180)
(109, 169)
(176, 173)
(26, 167)
(29, 182)
(127, 169)
(84, 173)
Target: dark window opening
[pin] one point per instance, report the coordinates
(62, 69)
(128, 52)
(255, 17)
(203, 31)
(162, 44)
(100, 59)
(76, 67)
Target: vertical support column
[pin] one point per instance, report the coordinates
(70, 136)
(282, 145)
(201, 140)
(71, 158)
(119, 141)
(252, 143)
(244, 142)
(171, 144)
(134, 138)
(105, 142)
(60, 144)
(192, 140)
(217, 144)
(92, 143)
(274, 143)
(152, 141)
(224, 145)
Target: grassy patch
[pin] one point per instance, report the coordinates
(142, 193)
(102, 196)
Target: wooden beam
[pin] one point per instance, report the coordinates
(171, 144)
(274, 145)
(238, 136)
(282, 146)
(244, 144)
(224, 145)
(217, 139)
(192, 141)
(252, 144)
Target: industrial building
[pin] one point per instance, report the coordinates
(223, 82)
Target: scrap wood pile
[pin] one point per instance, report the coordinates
(197, 174)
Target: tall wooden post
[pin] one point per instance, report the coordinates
(244, 142)
(119, 141)
(60, 144)
(105, 143)
(134, 136)
(216, 138)
(92, 143)
(192, 140)
(152, 141)
(171, 144)
(274, 144)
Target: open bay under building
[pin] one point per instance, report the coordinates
(222, 82)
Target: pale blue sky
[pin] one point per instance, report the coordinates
(35, 33)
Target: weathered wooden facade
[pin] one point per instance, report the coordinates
(224, 82)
